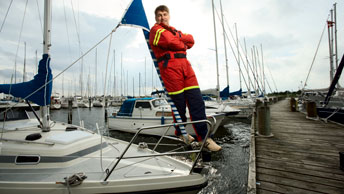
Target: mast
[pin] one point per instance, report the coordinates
(114, 72)
(217, 58)
(263, 71)
(224, 40)
(95, 80)
(24, 71)
(248, 73)
(330, 44)
(46, 48)
(237, 41)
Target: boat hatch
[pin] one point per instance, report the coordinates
(27, 159)
(68, 137)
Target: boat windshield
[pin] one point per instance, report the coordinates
(159, 102)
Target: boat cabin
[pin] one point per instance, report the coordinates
(145, 107)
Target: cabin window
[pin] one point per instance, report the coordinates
(142, 104)
(166, 114)
(159, 102)
(13, 114)
(28, 159)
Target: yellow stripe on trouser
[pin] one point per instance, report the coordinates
(157, 36)
(182, 90)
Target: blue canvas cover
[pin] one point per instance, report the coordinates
(27, 89)
(127, 108)
(224, 94)
(236, 93)
(136, 16)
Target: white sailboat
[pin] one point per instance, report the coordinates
(57, 157)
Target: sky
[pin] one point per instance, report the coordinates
(284, 35)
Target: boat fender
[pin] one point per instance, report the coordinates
(162, 120)
(33, 137)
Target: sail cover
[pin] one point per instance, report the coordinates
(29, 90)
(136, 16)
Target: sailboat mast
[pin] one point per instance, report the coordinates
(237, 41)
(46, 48)
(224, 39)
(24, 71)
(330, 44)
(217, 58)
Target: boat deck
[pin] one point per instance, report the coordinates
(301, 157)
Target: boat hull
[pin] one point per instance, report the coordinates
(332, 114)
(67, 150)
(132, 125)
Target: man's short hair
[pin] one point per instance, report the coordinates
(161, 8)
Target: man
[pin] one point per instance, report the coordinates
(169, 46)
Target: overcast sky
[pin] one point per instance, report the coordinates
(287, 31)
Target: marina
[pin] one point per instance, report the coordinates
(110, 103)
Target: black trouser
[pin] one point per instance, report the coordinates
(193, 99)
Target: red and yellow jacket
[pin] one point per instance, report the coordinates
(166, 39)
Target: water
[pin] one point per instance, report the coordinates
(228, 169)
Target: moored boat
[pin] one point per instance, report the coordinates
(140, 112)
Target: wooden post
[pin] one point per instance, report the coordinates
(292, 104)
(70, 110)
(263, 121)
(311, 109)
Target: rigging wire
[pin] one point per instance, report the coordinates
(39, 15)
(247, 61)
(8, 9)
(316, 52)
(20, 34)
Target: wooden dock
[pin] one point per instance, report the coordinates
(301, 157)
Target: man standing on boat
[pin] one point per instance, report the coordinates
(169, 46)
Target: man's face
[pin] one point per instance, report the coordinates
(162, 17)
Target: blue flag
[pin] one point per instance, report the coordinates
(136, 16)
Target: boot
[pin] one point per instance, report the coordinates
(190, 138)
(212, 146)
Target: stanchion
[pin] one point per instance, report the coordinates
(70, 110)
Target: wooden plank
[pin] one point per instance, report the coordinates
(318, 160)
(265, 187)
(295, 186)
(295, 175)
(328, 173)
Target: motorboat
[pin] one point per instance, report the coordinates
(65, 102)
(41, 156)
(55, 102)
(83, 102)
(139, 112)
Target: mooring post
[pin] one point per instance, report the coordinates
(311, 109)
(263, 120)
(70, 110)
(292, 104)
